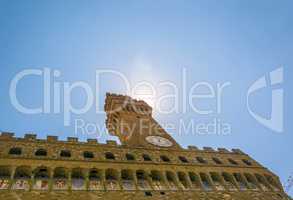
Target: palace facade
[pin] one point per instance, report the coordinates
(149, 164)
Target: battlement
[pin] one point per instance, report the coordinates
(115, 102)
(31, 137)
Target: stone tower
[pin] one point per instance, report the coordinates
(131, 120)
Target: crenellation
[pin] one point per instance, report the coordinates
(51, 138)
(223, 150)
(30, 136)
(238, 151)
(92, 141)
(72, 139)
(209, 149)
(111, 143)
(6, 135)
(192, 148)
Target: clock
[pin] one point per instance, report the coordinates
(159, 141)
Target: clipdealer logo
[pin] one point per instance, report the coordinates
(273, 82)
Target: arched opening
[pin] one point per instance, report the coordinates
(22, 173)
(109, 156)
(217, 181)
(201, 160)
(183, 180)
(170, 176)
(195, 182)
(5, 174)
(41, 152)
(164, 158)
(205, 181)
(233, 162)
(142, 180)
(229, 181)
(78, 179)
(15, 151)
(112, 179)
(146, 157)
(274, 184)
(88, 155)
(251, 181)
(22, 177)
(240, 181)
(41, 175)
(157, 180)
(217, 161)
(183, 159)
(262, 182)
(130, 157)
(127, 180)
(60, 179)
(95, 180)
(247, 162)
(65, 154)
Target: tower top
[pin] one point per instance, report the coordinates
(117, 102)
(131, 120)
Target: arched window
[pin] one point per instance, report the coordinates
(94, 174)
(60, 173)
(5, 172)
(41, 173)
(142, 180)
(111, 176)
(78, 179)
(217, 181)
(247, 162)
(41, 152)
(22, 172)
(272, 182)
(88, 154)
(262, 182)
(126, 174)
(201, 160)
(127, 179)
(251, 181)
(129, 157)
(109, 156)
(155, 175)
(238, 177)
(157, 180)
(217, 161)
(233, 162)
(205, 181)
(170, 177)
(15, 151)
(140, 174)
(147, 193)
(229, 181)
(65, 153)
(183, 179)
(146, 157)
(77, 173)
(183, 159)
(165, 158)
(194, 180)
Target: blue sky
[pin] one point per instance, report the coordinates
(215, 42)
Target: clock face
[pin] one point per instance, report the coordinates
(159, 141)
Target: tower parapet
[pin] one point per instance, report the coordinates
(131, 120)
